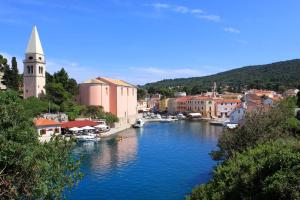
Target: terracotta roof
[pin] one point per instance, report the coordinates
(253, 97)
(79, 124)
(94, 81)
(183, 99)
(228, 101)
(202, 98)
(45, 122)
(115, 81)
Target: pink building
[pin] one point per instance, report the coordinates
(115, 96)
(94, 92)
(181, 103)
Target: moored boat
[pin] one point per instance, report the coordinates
(87, 137)
(138, 124)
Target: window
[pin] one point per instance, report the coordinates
(28, 69)
(30, 58)
(31, 69)
(40, 69)
(40, 58)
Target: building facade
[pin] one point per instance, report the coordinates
(163, 105)
(34, 74)
(224, 107)
(94, 92)
(172, 106)
(47, 127)
(115, 96)
(202, 104)
(237, 116)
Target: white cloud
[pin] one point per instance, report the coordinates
(181, 9)
(175, 8)
(232, 30)
(213, 18)
(159, 6)
(197, 11)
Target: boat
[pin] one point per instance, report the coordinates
(138, 124)
(180, 116)
(87, 137)
(219, 122)
(231, 126)
(194, 116)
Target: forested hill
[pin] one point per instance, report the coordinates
(276, 76)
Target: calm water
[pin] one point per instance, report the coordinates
(160, 161)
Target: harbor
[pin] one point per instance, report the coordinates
(153, 162)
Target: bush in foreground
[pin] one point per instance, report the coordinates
(29, 169)
(267, 171)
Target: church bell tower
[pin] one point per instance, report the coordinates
(34, 75)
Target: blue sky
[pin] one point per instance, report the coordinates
(142, 41)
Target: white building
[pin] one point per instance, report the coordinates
(237, 116)
(47, 127)
(180, 94)
(34, 67)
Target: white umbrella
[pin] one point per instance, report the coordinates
(88, 128)
(75, 129)
(100, 126)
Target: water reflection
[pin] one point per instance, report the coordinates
(160, 161)
(110, 153)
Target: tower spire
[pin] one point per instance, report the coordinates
(34, 44)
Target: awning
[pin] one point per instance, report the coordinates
(75, 129)
(88, 128)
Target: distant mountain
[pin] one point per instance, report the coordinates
(275, 76)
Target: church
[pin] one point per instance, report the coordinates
(115, 96)
(34, 75)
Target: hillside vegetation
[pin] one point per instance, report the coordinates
(276, 76)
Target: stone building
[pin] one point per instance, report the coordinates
(34, 80)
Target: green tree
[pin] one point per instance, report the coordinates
(259, 126)
(151, 90)
(15, 80)
(267, 171)
(56, 93)
(72, 87)
(61, 77)
(34, 106)
(141, 93)
(111, 118)
(6, 80)
(30, 169)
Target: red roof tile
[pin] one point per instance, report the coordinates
(45, 122)
(228, 101)
(78, 124)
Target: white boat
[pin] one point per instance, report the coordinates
(87, 137)
(180, 116)
(139, 123)
(232, 126)
(194, 116)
